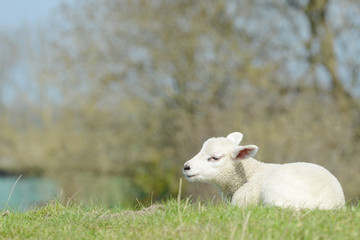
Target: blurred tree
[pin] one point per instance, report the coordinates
(133, 88)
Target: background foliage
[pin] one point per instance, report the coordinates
(123, 92)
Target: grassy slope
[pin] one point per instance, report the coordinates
(195, 221)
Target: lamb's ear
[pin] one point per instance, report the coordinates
(235, 137)
(243, 152)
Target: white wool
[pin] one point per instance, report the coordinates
(245, 180)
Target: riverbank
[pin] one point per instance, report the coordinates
(174, 220)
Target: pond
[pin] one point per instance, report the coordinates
(84, 187)
(28, 192)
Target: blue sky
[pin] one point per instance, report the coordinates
(15, 13)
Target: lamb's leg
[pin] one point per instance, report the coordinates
(245, 195)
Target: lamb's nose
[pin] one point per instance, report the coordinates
(186, 167)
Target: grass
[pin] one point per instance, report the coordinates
(179, 220)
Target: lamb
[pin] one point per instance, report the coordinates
(245, 180)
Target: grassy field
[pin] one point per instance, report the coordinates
(174, 220)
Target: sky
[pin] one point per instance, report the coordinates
(16, 13)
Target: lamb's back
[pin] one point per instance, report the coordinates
(300, 185)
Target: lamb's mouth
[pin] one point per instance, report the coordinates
(191, 176)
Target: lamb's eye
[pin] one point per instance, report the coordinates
(213, 158)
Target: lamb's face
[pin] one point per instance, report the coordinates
(217, 157)
(214, 157)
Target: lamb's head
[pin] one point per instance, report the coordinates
(217, 157)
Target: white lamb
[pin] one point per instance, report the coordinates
(247, 181)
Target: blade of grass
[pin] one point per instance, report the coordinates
(245, 225)
(179, 200)
(12, 190)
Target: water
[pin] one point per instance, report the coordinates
(84, 187)
(28, 192)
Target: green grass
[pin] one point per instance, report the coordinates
(180, 221)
